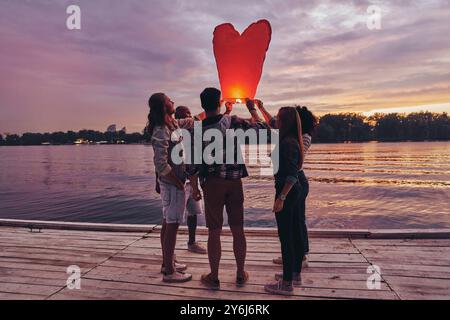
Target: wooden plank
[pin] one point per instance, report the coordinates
(20, 296)
(49, 258)
(125, 265)
(330, 258)
(412, 254)
(410, 233)
(257, 256)
(35, 289)
(69, 255)
(414, 273)
(13, 232)
(104, 289)
(331, 268)
(92, 292)
(58, 249)
(414, 268)
(253, 239)
(63, 246)
(443, 233)
(313, 232)
(257, 247)
(24, 230)
(76, 225)
(32, 280)
(46, 262)
(412, 261)
(433, 243)
(30, 266)
(313, 273)
(68, 242)
(46, 236)
(60, 274)
(417, 295)
(419, 288)
(310, 280)
(229, 291)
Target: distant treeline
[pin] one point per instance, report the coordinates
(417, 126)
(70, 137)
(332, 128)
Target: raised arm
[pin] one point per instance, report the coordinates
(267, 116)
(255, 122)
(200, 116)
(251, 108)
(228, 108)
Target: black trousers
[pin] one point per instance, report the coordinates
(290, 232)
(304, 190)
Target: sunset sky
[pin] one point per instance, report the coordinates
(322, 55)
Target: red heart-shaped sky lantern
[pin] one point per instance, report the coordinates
(240, 58)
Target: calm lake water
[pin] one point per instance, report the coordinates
(358, 185)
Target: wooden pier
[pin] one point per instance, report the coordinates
(123, 262)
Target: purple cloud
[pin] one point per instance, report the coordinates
(322, 54)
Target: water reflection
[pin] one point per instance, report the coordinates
(376, 185)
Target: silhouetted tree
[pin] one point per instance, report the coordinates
(71, 136)
(31, 139)
(343, 127)
(12, 140)
(133, 137)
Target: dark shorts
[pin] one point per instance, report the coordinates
(219, 193)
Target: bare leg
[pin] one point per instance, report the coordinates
(162, 235)
(192, 227)
(214, 251)
(170, 240)
(239, 248)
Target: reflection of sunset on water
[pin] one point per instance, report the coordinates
(377, 185)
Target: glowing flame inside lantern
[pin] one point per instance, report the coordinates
(240, 58)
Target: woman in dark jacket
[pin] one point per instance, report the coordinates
(309, 123)
(287, 199)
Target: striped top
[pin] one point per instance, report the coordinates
(306, 145)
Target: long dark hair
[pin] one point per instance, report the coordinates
(291, 127)
(157, 115)
(309, 120)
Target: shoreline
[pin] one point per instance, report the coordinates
(38, 225)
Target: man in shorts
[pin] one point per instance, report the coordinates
(222, 187)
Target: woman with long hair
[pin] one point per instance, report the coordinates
(162, 130)
(309, 123)
(287, 197)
